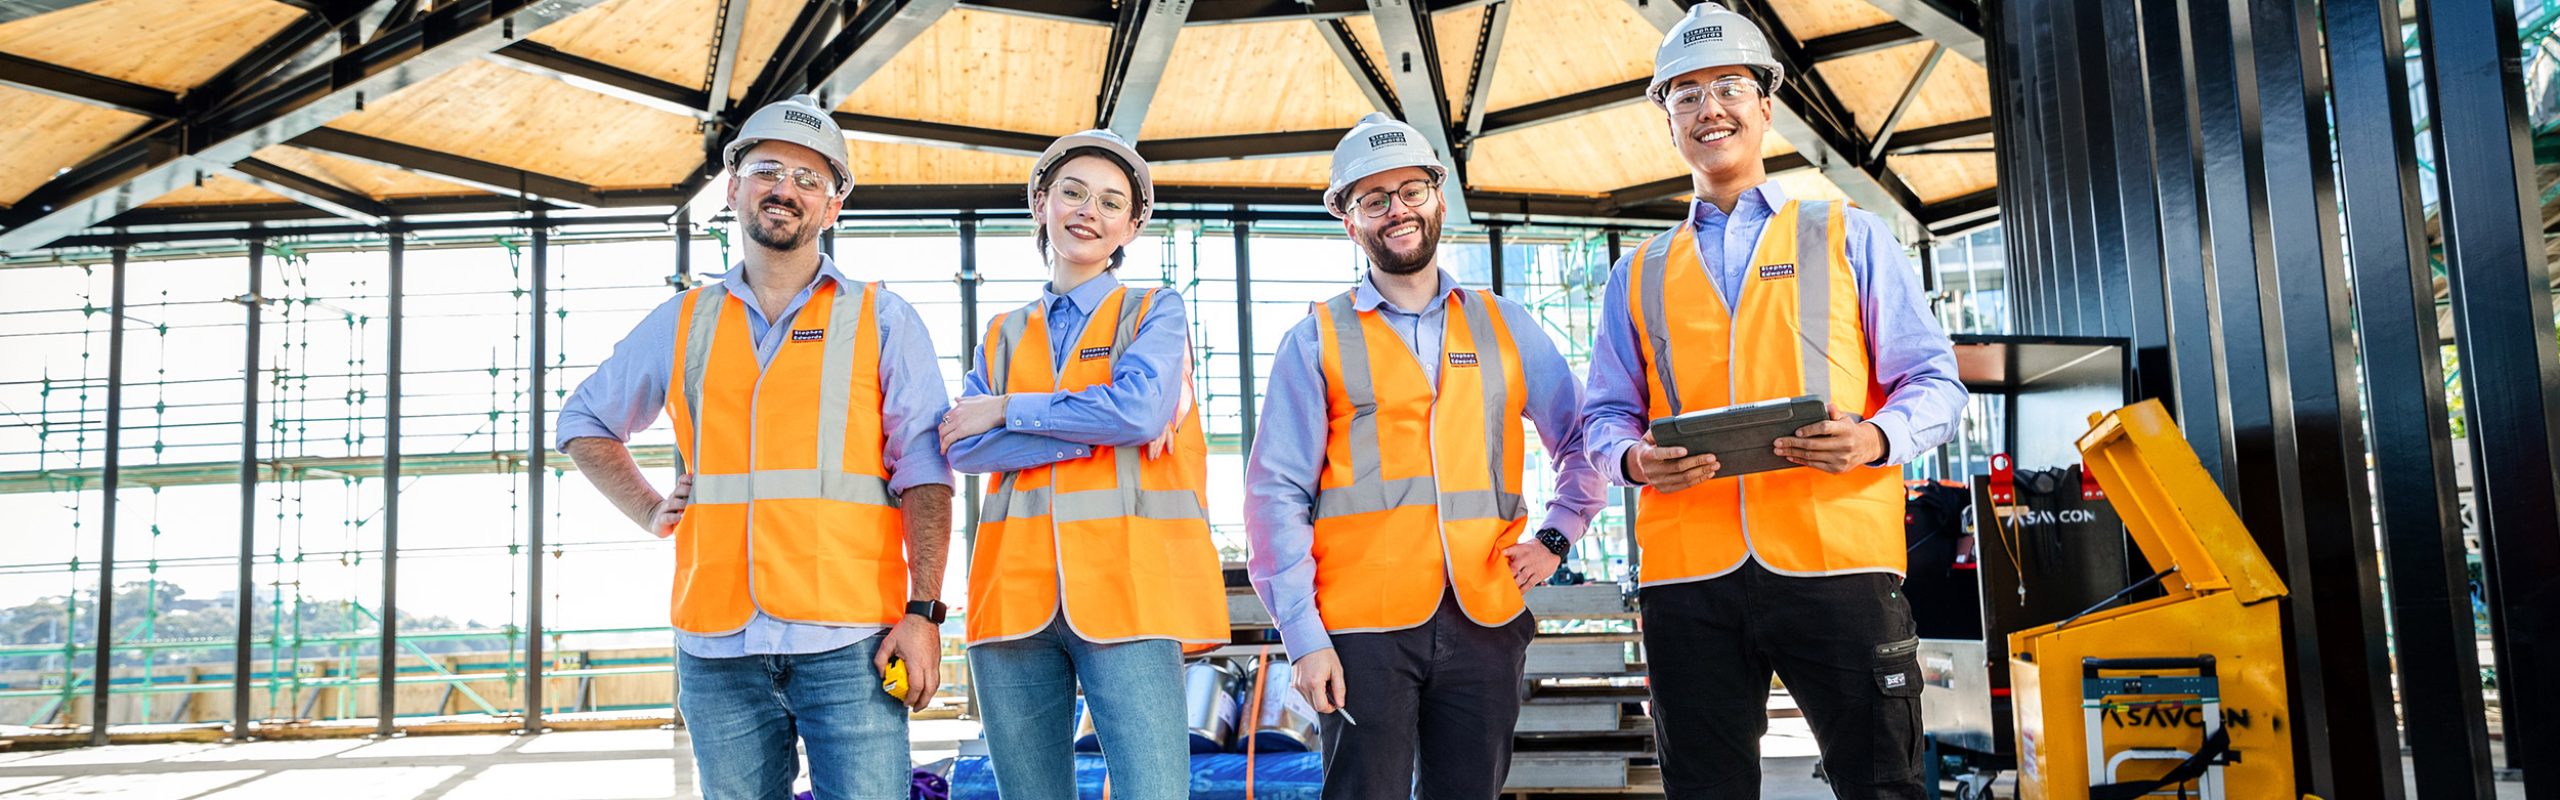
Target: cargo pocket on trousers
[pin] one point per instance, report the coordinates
(1897, 711)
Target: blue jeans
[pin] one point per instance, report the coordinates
(1027, 690)
(747, 716)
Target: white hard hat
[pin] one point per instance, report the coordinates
(1377, 144)
(800, 121)
(1713, 36)
(1107, 142)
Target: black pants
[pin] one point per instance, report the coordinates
(1435, 707)
(1843, 645)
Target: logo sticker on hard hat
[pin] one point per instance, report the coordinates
(1696, 35)
(1384, 139)
(802, 117)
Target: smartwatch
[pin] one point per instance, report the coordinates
(932, 610)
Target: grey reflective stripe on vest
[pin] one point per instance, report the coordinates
(1008, 337)
(1128, 498)
(1813, 299)
(1657, 258)
(1368, 492)
(835, 375)
(702, 331)
(792, 484)
(828, 481)
(1813, 293)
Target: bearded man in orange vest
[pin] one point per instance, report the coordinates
(1390, 538)
(812, 505)
(1797, 571)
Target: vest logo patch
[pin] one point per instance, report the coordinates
(1462, 359)
(1896, 680)
(1091, 353)
(809, 335)
(1770, 272)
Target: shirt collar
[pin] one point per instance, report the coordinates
(1367, 298)
(1764, 198)
(1086, 296)
(736, 278)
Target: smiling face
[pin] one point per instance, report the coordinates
(1719, 142)
(781, 216)
(1404, 240)
(1104, 221)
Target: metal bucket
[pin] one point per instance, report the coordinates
(1209, 704)
(1284, 723)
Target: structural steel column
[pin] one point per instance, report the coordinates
(2494, 261)
(387, 667)
(1244, 325)
(2439, 660)
(110, 479)
(2185, 240)
(255, 304)
(536, 462)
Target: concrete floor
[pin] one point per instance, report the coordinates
(595, 765)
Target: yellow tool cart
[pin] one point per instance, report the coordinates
(2181, 695)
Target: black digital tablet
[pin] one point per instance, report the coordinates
(1742, 437)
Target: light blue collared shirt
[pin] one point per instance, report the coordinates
(1913, 359)
(1289, 449)
(1133, 409)
(628, 390)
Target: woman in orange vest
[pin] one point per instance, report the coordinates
(1093, 562)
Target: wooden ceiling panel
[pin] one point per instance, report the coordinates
(491, 113)
(216, 191)
(1937, 178)
(900, 163)
(1869, 84)
(166, 44)
(669, 40)
(1558, 47)
(1308, 172)
(1262, 77)
(998, 71)
(1588, 154)
(379, 183)
(1813, 19)
(45, 135)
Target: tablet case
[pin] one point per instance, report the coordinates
(1741, 436)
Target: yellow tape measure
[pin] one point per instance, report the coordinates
(894, 679)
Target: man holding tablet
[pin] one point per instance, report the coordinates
(1755, 298)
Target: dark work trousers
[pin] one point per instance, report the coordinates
(1845, 648)
(1434, 707)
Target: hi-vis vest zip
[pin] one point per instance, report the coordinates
(1421, 484)
(791, 511)
(1800, 330)
(1117, 542)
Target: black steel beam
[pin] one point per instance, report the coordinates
(722, 68)
(1203, 12)
(53, 80)
(869, 40)
(942, 134)
(386, 668)
(611, 81)
(1141, 47)
(27, 9)
(247, 73)
(1249, 145)
(2338, 628)
(2127, 112)
(447, 167)
(1954, 23)
(1488, 53)
(1564, 107)
(1884, 36)
(2496, 264)
(2432, 627)
(1672, 188)
(1902, 105)
(1362, 65)
(110, 481)
(2186, 266)
(2240, 359)
(253, 321)
(1410, 54)
(1246, 390)
(1964, 209)
(314, 192)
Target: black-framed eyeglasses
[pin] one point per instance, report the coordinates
(1413, 193)
(1074, 193)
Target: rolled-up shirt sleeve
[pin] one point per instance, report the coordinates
(1136, 405)
(1280, 482)
(912, 398)
(628, 390)
(1005, 449)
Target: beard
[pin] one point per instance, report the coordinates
(780, 234)
(1384, 257)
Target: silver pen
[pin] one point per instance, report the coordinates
(1345, 711)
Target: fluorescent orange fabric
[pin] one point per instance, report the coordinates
(1117, 542)
(1800, 330)
(1421, 484)
(791, 511)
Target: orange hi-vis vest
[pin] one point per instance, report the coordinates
(1421, 484)
(1800, 331)
(1117, 542)
(791, 512)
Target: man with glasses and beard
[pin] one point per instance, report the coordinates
(811, 506)
(1762, 297)
(1390, 538)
